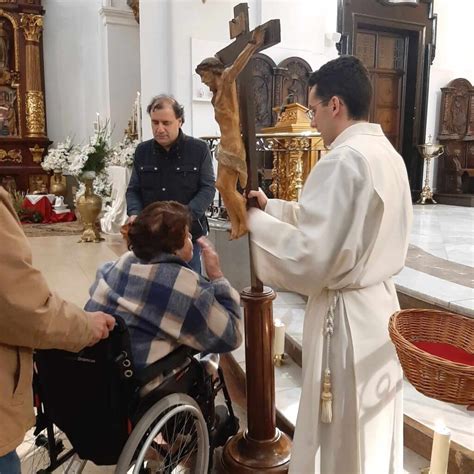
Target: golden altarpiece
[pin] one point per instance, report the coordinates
(296, 148)
(23, 140)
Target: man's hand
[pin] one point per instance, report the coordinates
(210, 259)
(131, 219)
(102, 324)
(261, 198)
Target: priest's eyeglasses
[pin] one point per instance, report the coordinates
(311, 113)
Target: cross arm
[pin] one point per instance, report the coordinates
(272, 36)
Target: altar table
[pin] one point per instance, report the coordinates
(43, 203)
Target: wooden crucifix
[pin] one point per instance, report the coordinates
(262, 447)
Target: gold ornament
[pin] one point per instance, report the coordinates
(89, 206)
(37, 153)
(32, 26)
(57, 185)
(11, 155)
(35, 122)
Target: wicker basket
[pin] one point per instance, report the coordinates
(432, 375)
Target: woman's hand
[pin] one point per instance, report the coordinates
(210, 259)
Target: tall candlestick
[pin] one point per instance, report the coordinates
(440, 449)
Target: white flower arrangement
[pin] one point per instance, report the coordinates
(58, 159)
(93, 156)
(123, 153)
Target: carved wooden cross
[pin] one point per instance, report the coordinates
(239, 29)
(263, 447)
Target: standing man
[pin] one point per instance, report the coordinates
(172, 167)
(340, 246)
(31, 316)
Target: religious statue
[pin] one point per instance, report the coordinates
(231, 150)
(4, 48)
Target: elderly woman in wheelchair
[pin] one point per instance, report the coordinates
(142, 399)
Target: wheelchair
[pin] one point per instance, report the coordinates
(112, 414)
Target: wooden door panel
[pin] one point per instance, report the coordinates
(384, 56)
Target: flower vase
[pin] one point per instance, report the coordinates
(89, 206)
(57, 185)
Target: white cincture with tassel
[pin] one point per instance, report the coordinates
(326, 393)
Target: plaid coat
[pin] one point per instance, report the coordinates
(166, 304)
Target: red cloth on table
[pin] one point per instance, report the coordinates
(62, 217)
(45, 208)
(446, 351)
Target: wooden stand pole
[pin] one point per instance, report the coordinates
(262, 447)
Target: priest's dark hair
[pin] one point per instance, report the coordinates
(345, 77)
(159, 228)
(165, 100)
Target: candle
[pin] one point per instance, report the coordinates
(139, 117)
(440, 449)
(278, 337)
(97, 122)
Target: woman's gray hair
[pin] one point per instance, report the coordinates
(164, 100)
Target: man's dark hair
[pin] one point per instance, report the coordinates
(159, 228)
(164, 100)
(345, 77)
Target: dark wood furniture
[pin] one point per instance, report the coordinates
(274, 86)
(456, 133)
(397, 43)
(23, 140)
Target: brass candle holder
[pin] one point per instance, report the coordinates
(428, 151)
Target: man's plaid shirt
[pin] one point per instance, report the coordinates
(165, 304)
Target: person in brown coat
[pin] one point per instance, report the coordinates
(31, 316)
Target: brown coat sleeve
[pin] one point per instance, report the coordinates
(30, 314)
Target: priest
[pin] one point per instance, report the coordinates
(340, 246)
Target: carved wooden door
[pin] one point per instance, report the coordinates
(384, 55)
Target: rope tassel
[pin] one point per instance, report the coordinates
(326, 398)
(326, 393)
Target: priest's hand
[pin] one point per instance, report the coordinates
(210, 259)
(101, 324)
(260, 196)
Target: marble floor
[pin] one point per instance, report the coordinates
(440, 263)
(439, 268)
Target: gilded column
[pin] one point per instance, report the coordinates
(32, 26)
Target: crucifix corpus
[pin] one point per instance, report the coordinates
(236, 150)
(262, 447)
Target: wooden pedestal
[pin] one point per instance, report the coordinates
(262, 448)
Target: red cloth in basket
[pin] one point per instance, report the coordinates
(446, 351)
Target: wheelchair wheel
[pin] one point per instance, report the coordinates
(36, 454)
(171, 437)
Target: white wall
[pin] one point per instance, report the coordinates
(91, 60)
(171, 33)
(455, 40)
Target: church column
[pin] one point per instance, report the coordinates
(119, 38)
(32, 26)
(156, 59)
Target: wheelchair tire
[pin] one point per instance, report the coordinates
(35, 454)
(170, 437)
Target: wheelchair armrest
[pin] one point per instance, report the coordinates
(165, 365)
